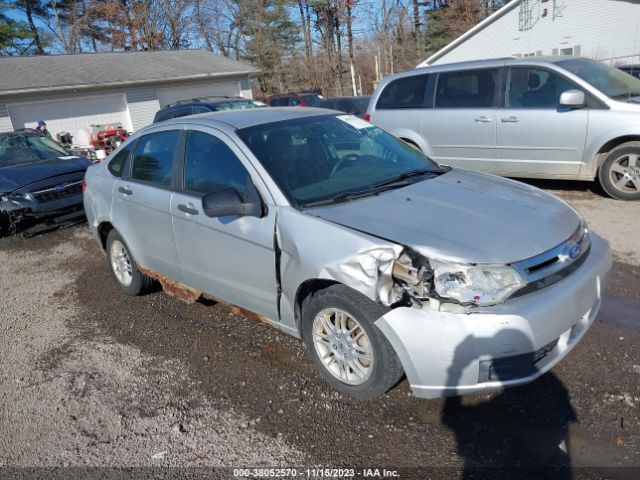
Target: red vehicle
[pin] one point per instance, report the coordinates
(108, 137)
(294, 100)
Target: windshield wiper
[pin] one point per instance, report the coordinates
(401, 178)
(343, 197)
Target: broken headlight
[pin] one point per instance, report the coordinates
(476, 284)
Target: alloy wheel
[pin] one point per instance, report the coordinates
(343, 346)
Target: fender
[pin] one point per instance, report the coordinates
(591, 159)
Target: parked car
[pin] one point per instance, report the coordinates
(39, 180)
(535, 117)
(335, 231)
(205, 105)
(633, 70)
(353, 105)
(294, 100)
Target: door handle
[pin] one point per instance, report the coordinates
(125, 191)
(510, 120)
(484, 119)
(188, 209)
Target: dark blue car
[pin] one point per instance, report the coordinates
(40, 183)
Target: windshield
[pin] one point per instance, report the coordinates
(19, 149)
(313, 100)
(329, 159)
(611, 81)
(239, 105)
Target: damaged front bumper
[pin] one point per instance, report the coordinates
(488, 348)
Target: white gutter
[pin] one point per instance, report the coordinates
(128, 83)
(470, 33)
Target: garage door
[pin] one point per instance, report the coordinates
(169, 95)
(74, 115)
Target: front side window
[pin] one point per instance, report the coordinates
(535, 88)
(613, 82)
(116, 164)
(153, 158)
(407, 92)
(467, 89)
(210, 166)
(328, 159)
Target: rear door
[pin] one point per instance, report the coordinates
(535, 136)
(461, 127)
(142, 202)
(229, 257)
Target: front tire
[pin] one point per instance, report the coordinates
(619, 175)
(347, 348)
(124, 268)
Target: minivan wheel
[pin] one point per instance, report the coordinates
(123, 267)
(619, 175)
(348, 350)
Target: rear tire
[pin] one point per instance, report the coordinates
(346, 346)
(124, 268)
(619, 175)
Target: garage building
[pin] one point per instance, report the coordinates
(605, 30)
(72, 92)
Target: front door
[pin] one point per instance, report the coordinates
(230, 257)
(535, 136)
(461, 126)
(142, 201)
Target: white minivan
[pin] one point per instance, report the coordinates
(538, 117)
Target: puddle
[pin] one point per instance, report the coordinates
(620, 312)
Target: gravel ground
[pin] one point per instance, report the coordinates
(91, 377)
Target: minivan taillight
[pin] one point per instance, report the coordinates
(366, 117)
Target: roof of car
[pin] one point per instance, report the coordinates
(207, 101)
(256, 116)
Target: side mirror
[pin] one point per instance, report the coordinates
(572, 99)
(229, 202)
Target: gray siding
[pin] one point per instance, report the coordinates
(606, 30)
(5, 121)
(143, 105)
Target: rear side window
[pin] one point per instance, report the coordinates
(467, 89)
(201, 109)
(181, 112)
(211, 166)
(116, 165)
(153, 158)
(407, 92)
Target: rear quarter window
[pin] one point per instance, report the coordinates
(406, 92)
(116, 164)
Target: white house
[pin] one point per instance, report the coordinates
(606, 30)
(72, 92)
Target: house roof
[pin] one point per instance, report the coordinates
(73, 72)
(470, 33)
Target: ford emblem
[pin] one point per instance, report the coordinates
(574, 251)
(60, 188)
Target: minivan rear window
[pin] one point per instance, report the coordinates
(406, 92)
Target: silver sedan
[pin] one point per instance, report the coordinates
(332, 230)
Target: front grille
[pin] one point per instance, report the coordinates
(553, 277)
(512, 368)
(554, 265)
(57, 192)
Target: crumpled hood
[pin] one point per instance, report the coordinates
(16, 176)
(462, 216)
